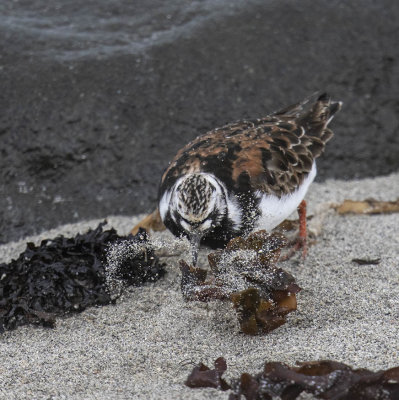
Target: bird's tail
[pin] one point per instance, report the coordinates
(314, 114)
(319, 116)
(321, 113)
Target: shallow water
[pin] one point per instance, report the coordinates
(69, 31)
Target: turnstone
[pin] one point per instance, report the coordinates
(245, 176)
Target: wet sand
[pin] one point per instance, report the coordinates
(97, 98)
(145, 346)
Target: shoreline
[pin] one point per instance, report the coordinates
(146, 345)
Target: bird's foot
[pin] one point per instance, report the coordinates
(296, 245)
(301, 242)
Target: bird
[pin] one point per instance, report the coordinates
(247, 175)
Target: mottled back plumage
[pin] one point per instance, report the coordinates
(272, 154)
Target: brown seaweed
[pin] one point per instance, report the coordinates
(64, 275)
(325, 380)
(368, 206)
(202, 376)
(291, 224)
(245, 273)
(194, 286)
(329, 380)
(257, 315)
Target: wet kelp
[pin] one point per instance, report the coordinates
(329, 380)
(245, 272)
(203, 376)
(64, 275)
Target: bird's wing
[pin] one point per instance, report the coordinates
(272, 154)
(265, 155)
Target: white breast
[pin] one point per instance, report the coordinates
(275, 210)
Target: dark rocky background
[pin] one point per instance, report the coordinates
(97, 96)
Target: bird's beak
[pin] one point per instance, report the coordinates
(195, 240)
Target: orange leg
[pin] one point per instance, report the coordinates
(302, 242)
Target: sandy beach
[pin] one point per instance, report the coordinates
(145, 346)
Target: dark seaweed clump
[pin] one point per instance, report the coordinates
(329, 380)
(65, 275)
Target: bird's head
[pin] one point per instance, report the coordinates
(197, 206)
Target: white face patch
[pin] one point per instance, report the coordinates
(275, 210)
(164, 204)
(185, 226)
(200, 228)
(206, 225)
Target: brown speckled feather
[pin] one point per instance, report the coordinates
(272, 154)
